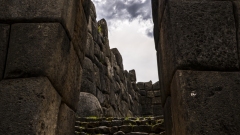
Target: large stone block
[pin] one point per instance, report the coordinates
(188, 42)
(66, 121)
(205, 102)
(118, 57)
(80, 32)
(4, 37)
(89, 51)
(28, 106)
(43, 49)
(88, 86)
(88, 70)
(62, 11)
(88, 105)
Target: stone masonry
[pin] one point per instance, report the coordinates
(104, 77)
(120, 126)
(56, 63)
(42, 47)
(197, 45)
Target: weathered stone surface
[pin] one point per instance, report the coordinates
(102, 27)
(118, 57)
(197, 95)
(140, 85)
(168, 116)
(88, 70)
(89, 52)
(156, 100)
(156, 86)
(147, 110)
(88, 86)
(188, 42)
(36, 103)
(80, 32)
(157, 93)
(66, 121)
(132, 75)
(44, 50)
(63, 11)
(97, 76)
(88, 105)
(142, 128)
(4, 36)
(157, 110)
(126, 128)
(150, 94)
(148, 85)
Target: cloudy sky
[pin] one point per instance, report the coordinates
(130, 30)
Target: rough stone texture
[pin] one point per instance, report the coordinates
(80, 32)
(132, 74)
(89, 105)
(148, 85)
(197, 95)
(103, 29)
(118, 57)
(63, 11)
(66, 121)
(88, 70)
(188, 42)
(44, 50)
(167, 111)
(4, 36)
(28, 106)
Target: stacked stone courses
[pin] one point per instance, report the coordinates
(42, 47)
(104, 77)
(198, 64)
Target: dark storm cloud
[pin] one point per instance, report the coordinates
(124, 9)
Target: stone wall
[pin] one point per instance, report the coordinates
(197, 47)
(41, 58)
(104, 76)
(150, 98)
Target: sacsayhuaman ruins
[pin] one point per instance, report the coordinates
(58, 75)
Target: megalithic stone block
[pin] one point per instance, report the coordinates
(79, 40)
(43, 49)
(205, 102)
(66, 121)
(118, 57)
(198, 36)
(62, 11)
(28, 106)
(4, 37)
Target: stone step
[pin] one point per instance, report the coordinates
(115, 126)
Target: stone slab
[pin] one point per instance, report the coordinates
(28, 106)
(62, 11)
(4, 36)
(66, 121)
(43, 49)
(205, 102)
(188, 42)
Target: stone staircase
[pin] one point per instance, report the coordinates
(120, 126)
